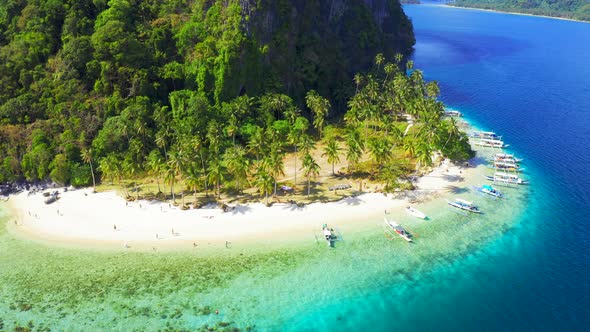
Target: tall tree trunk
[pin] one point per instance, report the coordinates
(172, 191)
(295, 181)
(93, 179)
(205, 173)
(308, 186)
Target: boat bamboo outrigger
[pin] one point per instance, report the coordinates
(485, 135)
(450, 112)
(491, 143)
(464, 205)
(507, 166)
(329, 235)
(415, 212)
(509, 158)
(394, 227)
(502, 177)
(489, 190)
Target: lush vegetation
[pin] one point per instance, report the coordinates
(574, 9)
(212, 96)
(83, 82)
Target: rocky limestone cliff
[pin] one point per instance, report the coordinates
(320, 44)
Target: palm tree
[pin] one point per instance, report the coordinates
(379, 58)
(294, 137)
(196, 144)
(175, 166)
(162, 140)
(320, 107)
(110, 166)
(216, 174)
(310, 168)
(358, 79)
(332, 151)
(193, 178)
(354, 147)
(155, 166)
(452, 129)
(423, 154)
(257, 143)
(264, 182)
(130, 169)
(237, 164)
(389, 69)
(87, 158)
(380, 150)
(275, 165)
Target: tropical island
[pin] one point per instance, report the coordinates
(575, 10)
(195, 102)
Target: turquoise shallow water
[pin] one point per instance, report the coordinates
(522, 266)
(306, 288)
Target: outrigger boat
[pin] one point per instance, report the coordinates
(509, 158)
(394, 227)
(450, 112)
(415, 212)
(506, 178)
(487, 189)
(492, 143)
(464, 205)
(484, 135)
(507, 166)
(329, 235)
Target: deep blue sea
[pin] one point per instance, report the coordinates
(527, 78)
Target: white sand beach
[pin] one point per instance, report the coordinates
(106, 220)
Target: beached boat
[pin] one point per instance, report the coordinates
(506, 178)
(485, 135)
(509, 158)
(450, 112)
(415, 212)
(329, 235)
(507, 166)
(394, 227)
(51, 199)
(491, 143)
(489, 190)
(464, 205)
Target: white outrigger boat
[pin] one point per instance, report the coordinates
(394, 227)
(509, 158)
(485, 135)
(506, 178)
(491, 143)
(487, 189)
(464, 205)
(450, 112)
(415, 212)
(329, 235)
(507, 166)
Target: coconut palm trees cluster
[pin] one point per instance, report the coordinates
(195, 147)
(223, 149)
(395, 118)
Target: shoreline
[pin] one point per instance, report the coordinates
(81, 219)
(511, 13)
